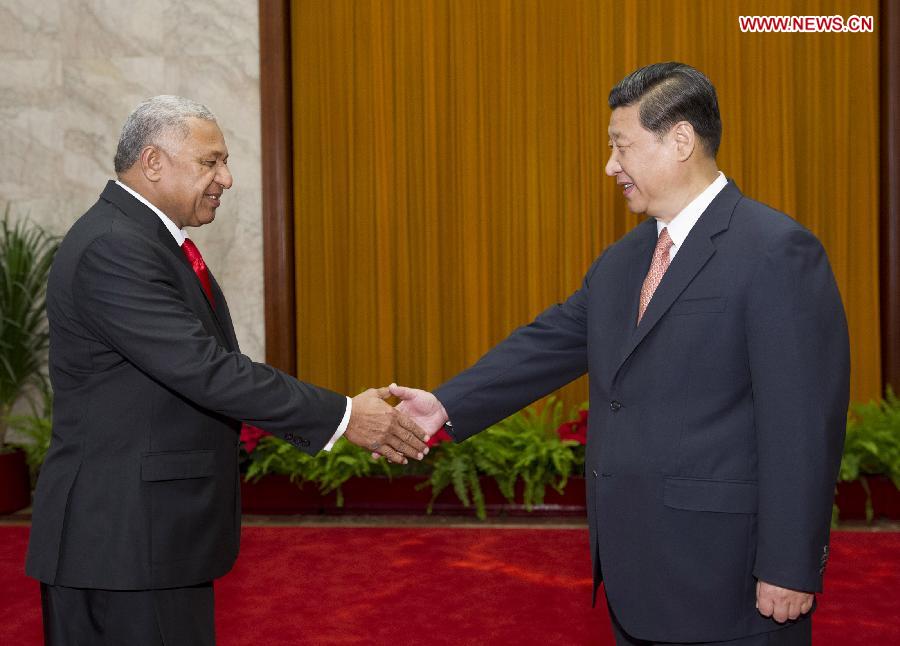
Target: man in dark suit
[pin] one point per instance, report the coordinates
(137, 508)
(717, 349)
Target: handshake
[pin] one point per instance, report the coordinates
(396, 433)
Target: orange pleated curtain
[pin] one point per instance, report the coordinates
(449, 155)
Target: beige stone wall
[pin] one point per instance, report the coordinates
(72, 70)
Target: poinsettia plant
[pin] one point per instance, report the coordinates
(575, 430)
(250, 437)
(531, 446)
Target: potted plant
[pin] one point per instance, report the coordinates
(507, 468)
(26, 253)
(36, 430)
(282, 464)
(521, 465)
(518, 458)
(869, 479)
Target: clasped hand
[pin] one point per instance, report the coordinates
(382, 429)
(421, 407)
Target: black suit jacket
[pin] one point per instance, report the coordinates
(140, 487)
(716, 425)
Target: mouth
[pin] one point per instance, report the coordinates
(214, 198)
(627, 188)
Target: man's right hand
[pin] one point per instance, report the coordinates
(421, 406)
(380, 428)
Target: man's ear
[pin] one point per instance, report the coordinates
(151, 163)
(685, 140)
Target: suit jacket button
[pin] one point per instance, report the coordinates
(614, 406)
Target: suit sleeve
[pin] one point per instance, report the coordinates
(532, 361)
(125, 296)
(800, 369)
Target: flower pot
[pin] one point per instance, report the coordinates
(380, 495)
(851, 499)
(401, 495)
(571, 502)
(275, 494)
(15, 485)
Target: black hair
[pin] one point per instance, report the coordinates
(669, 93)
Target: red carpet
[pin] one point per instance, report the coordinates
(302, 585)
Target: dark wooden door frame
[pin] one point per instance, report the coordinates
(889, 199)
(278, 186)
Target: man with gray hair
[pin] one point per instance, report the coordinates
(137, 509)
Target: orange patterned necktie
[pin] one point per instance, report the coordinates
(658, 267)
(192, 253)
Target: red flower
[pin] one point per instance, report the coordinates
(440, 436)
(250, 437)
(576, 430)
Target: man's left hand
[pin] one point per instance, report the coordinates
(780, 603)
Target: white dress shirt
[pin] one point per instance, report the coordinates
(180, 235)
(680, 226)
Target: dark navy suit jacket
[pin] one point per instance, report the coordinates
(139, 489)
(716, 424)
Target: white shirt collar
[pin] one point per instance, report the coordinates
(178, 234)
(681, 225)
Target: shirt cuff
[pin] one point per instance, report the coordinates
(341, 427)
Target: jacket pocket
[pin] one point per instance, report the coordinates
(725, 496)
(711, 305)
(177, 465)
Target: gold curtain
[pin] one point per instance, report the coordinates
(449, 159)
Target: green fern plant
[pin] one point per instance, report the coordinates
(37, 428)
(457, 465)
(26, 254)
(524, 445)
(872, 446)
(328, 470)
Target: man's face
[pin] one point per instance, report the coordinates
(643, 165)
(194, 175)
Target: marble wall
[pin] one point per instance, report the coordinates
(70, 73)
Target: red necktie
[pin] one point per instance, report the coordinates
(657, 268)
(192, 253)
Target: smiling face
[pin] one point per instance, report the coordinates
(645, 166)
(193, 175)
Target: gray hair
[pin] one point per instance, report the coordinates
(160, 121)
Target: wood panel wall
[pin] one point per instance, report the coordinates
(447, 162)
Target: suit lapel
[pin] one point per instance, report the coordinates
(696, 251)
(218, 329)
(153, 226)
(640, 256)
(223, 315)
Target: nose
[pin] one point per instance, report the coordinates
(224, 178)
(612, 166)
